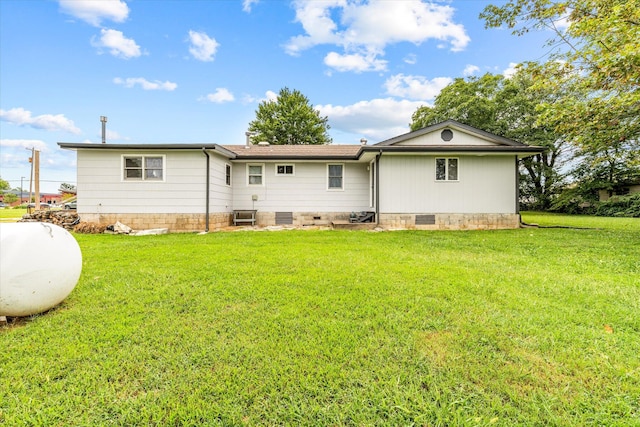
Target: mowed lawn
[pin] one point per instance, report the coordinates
(11, 215)
(536, 326)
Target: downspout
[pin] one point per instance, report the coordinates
(206, 219)
(378, 188)
(517, 186)
(518, 190)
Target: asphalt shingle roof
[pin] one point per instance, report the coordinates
(294, 151)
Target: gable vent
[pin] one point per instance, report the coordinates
(446, 135)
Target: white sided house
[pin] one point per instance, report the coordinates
(446, 176)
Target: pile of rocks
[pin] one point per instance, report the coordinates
(66, 219)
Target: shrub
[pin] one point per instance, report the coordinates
(573, 201)
(626, 206)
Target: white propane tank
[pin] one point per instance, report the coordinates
(40, 264)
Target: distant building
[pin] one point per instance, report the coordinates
(46, 198)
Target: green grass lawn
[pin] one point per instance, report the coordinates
(11, 215)
(536, 326)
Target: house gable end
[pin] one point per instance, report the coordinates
(449, 134)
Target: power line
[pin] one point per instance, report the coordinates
(42, 180)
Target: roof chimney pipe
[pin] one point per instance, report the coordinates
(103, 119)
(249, 134)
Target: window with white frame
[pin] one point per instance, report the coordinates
(284, 169)
(227, 174)
(335, 174)
(255, 174)
(143, 168)
(447, 169)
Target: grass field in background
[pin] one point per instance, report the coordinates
(536, 326)
(546, 219)
(8, 214)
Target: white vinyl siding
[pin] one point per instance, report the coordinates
(304, 192)
(486, 184)
(102, 189)
(435, 138)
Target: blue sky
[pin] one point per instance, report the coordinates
(195, 71)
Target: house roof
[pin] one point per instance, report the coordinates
(284, 152)
(434, 149)
(493, 144)
(148, 147)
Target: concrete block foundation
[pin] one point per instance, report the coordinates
(490, 221)
(196, 222)
(174, 222)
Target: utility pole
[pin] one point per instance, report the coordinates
(21, 190)
(36, 167)
(31, 174)
(35, 176)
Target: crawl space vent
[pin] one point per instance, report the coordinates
(425, 219)
(284, 218)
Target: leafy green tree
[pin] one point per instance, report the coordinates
(594, 64)
(505, 107)
(68, 188)
(609, 169)
(10, 198)
(290, 119)
(4, 185)
(471, 101)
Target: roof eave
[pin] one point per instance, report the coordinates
(484, 149)
(294, 157)
(173, 147)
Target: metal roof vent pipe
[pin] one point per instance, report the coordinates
(249, 134)
(363, 141)
(103, 119)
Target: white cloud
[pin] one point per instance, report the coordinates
(563, 22)
(248, 4)
(24, 143)
(118, 45)
(411, 59)
(354, 62)
(93, 11)
(511, 70)
(372, 26)
(248, 99)
(221, 95)
(112, 135)
(415, 87)
(203, 47)
(22, 117)
(145, 84)
(470, 70)
(270, 96)
(377, 119)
